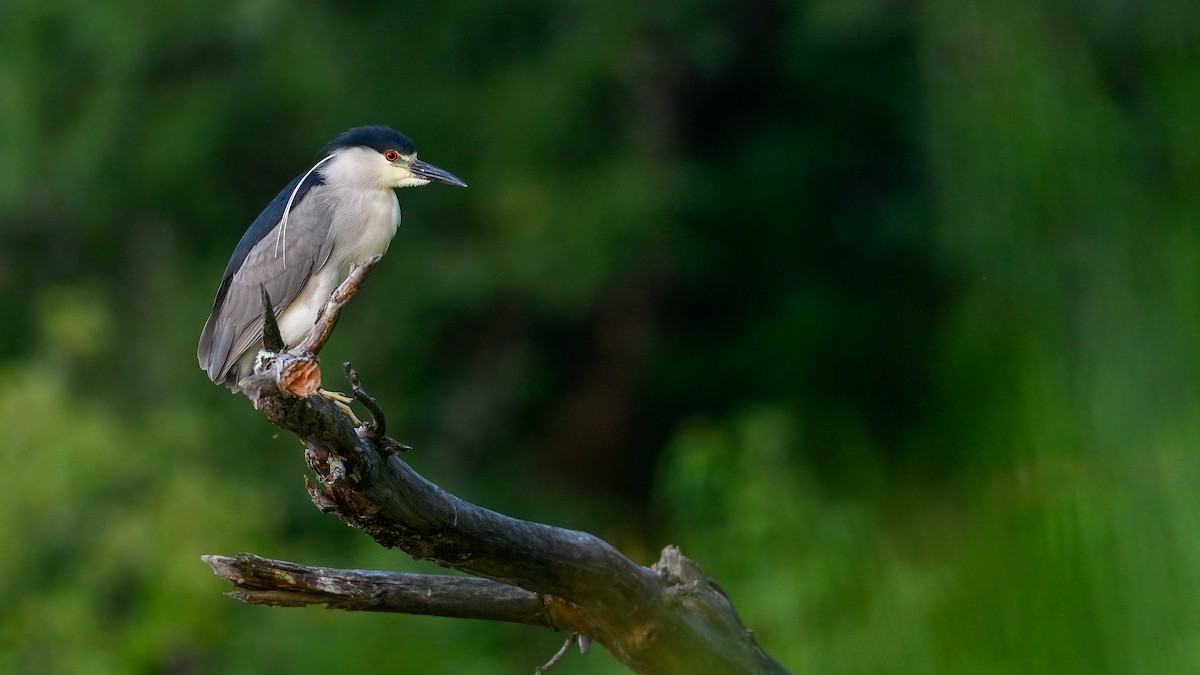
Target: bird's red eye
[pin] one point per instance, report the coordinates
(391, 155)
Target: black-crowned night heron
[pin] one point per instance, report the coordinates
(337, 214)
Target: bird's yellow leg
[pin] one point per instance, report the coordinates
(342, 402)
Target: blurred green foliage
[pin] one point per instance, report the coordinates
(885, 312)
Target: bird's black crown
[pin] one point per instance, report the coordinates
(377, 137)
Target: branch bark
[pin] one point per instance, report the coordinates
(283, 584)
(669, 618)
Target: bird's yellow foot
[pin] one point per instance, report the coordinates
(343, 402)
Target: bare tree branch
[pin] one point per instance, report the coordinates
(283, 584)
(667, 619)
(558, 655)
(272, 340)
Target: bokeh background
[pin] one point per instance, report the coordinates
(886, 312)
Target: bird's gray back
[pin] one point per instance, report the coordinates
(279, 261)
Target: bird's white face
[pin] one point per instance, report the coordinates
(401, 167)
(369, 168)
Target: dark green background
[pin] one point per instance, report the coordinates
(885, 312)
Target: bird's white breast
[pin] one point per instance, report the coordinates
(363, 225)
(364, 222)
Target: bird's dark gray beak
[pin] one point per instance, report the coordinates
(430, 172)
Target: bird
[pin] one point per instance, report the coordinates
(340, 212)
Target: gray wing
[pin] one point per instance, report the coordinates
(281, 264)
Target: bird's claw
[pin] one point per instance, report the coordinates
(342, 402)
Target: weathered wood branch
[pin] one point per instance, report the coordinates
(669, 618)
(283, 584)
